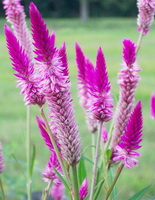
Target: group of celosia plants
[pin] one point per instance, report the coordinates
(42, 74)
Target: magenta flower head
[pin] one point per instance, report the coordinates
(24, 71)
(126, 149)
(16, 17)
(128, 80)
(83, 191)
(55, 84)
(57, 190)
(152, 106)
(2, 166)
(99, 88)
(145, 18)
(84, 65)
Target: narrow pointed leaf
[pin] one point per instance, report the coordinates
(140, 194)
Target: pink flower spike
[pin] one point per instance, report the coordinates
(83, 191)
(24, 70)
(104, 134)
(152, 106)
(130, 141)
(145, 18)
(2, 166)
(58, 189)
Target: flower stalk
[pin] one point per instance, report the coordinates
(47, 191)
(75, 182)
(96, 161)
(2, 189)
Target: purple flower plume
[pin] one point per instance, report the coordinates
(16, 17)
(57, 190)
(126, 149)
(84, 66)
(55, 84)
(152, 106)
(99, 88)
(83, 191)
(145, 18)
(128, 80)
(24, 70)
(2, 166)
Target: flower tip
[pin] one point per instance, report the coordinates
(152, 105)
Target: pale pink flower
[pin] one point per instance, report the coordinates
(57, 190)
(2, 166)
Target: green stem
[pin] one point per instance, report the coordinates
(120, 168)
(96, 161)
(47, 190)
(1, 186)
(28, 152)
(75, 181)
(139, 42)
(93, 145)
(56, 149)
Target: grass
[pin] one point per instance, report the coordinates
(109, 34)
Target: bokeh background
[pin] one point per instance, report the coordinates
(91, 23)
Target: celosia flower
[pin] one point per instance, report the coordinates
(55, 85)
(24, 70)
(99, 88)
(83, 191)
(152, 106)
(16, 17)
(104, 134)
(58, 189)
(49, 172)
(2, 166)
(146, 10)
(84, 65)
(126, 149)
(128, 80)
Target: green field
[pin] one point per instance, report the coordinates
(107, 33)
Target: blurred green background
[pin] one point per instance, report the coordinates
(107, 33)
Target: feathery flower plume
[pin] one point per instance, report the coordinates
(16, 17)
(104, 134)
(2, 166)
(83, 191)
(99, 88)
(57, 190)
(56, 88)
(145, 18)
(128, 80)
(126, 149)
(152, 106)
(84, 65)
(53, 163)
(24, 70)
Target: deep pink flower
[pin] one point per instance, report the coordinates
(55, 84)
(24, 71)
(128, 80)
(99, 88)
(53, 163)
(152, 106)
(58, 189)
(83, 191)
(126, 149)
(84, 67)
(16, 17)
(2, 166)
(146, 10)
(104, 134)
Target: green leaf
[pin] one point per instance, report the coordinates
(114, 191)
(140, 194)
(62, 179)
(98, 188)
(108, 154)
(85, 158)
(81, 171)
(32, 160)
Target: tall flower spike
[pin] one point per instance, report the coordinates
(55, 85)
(83, 191)
(16, 17)
(152, 106)
(2, 166)
(145, 18)
(24, 70)
(126, 149)
(100, 90)
(128, 80)
(84, 66)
